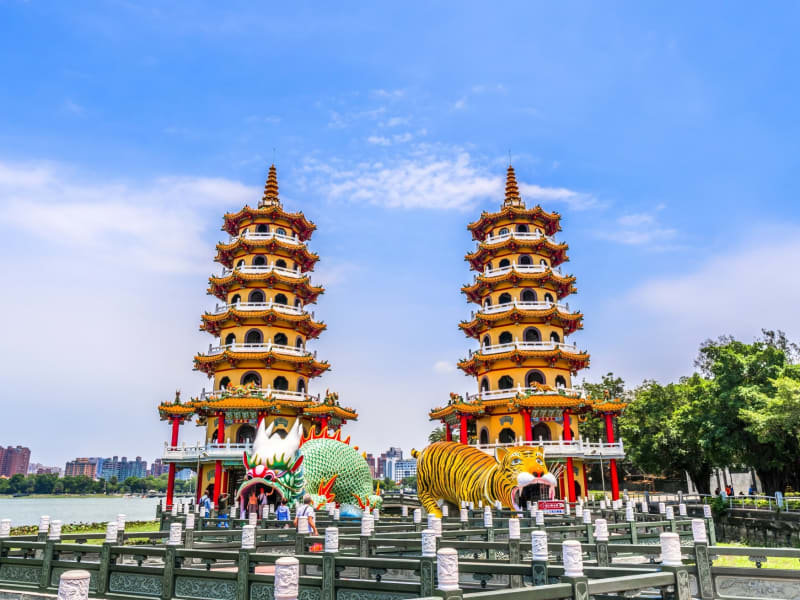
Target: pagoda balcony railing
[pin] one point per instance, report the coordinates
(260, 306)
(579, 448)
(201, 452)
(523, 391)
(256, 269)
(267, 235)
(267, 391)
(538, 305)
(268, 347)
(517, 235)
(532, 346)
(540, 268)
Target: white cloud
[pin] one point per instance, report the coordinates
(73, 107)
(444, 366)
(638, 229)
(427, 177)
(395, 121)
(153, 225)
(401, 138)
(390, 94)
(379, 140)
(460, 104)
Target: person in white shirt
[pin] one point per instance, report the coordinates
(306, 510)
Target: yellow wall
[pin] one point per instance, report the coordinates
(267, 375)
(496, 422)
(268, 333)
(269, 294)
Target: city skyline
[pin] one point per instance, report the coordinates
(127, 132)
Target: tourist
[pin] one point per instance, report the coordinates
(252, 504)
(716, 492)
(282, 512)
(306, 510)
(205, 503)
(752, 491)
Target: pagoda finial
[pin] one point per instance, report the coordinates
(512, 190)
(271, 188)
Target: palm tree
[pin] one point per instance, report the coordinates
(437, 435)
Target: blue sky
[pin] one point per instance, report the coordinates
(665, 135)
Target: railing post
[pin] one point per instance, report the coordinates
(573, 569)
(287, 578)
(47, 557)
(426, 577)
(447, 574)
(168, 581)
(44, 527)
(243, 570)
(671, 561)
(105, 558)
(601, 542)
(329, 563)
(631, 518)
(514, 554)
(539, 559)
(121, 528)
(705, 583)
(74, 585)
(709, 519)
(587, 521)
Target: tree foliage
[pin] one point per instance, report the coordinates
(81, 484)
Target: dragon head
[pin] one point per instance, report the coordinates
(523, 466)
(274, 462)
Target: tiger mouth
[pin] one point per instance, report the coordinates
(516, 492)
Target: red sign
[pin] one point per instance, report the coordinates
(552, 507)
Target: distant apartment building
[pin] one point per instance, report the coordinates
(404, 468)
(385, 466)
(372, 465)
(81, 466)
(122, 468)
(184, 474)
(40, 469)
(14, 460)
(158, 468)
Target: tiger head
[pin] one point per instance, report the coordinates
(522, 466)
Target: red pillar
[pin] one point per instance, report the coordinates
(171, 477)
(612, 464)
(199, 491)
(463, 436)
(448, 433)
(526, 420)
(260, 418)
(570, 473)
(218, 464)
(323, 424)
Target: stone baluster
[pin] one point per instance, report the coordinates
(572, 553)
(5, 528)
(601, 542)
(671, 561)
(540, 557)
(121, 518)
(74, 585)
(447, 573)
(705, 582)
(514, 554)
(287, 578)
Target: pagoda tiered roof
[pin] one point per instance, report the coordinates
(227, 251)
(518, 354)
(486, 251)
(302, 322)
(219, 286)
(562, 285)
(544, 398)
(303, 363)
(517, 313)
(176, 409)
(296, 221)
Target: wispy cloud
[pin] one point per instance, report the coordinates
(388, 94)
(639, 229)
(444, 366)
(73, 107)
(379, 140)
(460, 104)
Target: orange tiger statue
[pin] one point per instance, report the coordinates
(454, 472)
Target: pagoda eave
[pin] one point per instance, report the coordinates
(550, 222)
(556, 252)
(303, 323)
(569, 322)
(228, 253)
(302, 226)
(305, 365)
(474, 364)
(562, 286)
(220, 286)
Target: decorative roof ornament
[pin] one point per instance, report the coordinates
(512, 190)
(271, 190)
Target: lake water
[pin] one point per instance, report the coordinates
(88, 509)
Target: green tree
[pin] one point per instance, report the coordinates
(611, 387)
(409, 482)
(437, 435)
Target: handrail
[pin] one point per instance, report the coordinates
(257, 306)
(267, 235)
(267, 391)
(517, 235)
(512, 393)
(498, 348)
(520, 269)
(536, 305)
(268, 347)
(297, 273)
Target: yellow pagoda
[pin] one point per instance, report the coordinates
(259, 362)
(525, 366)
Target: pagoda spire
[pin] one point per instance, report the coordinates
(271, 188)
(512, 190)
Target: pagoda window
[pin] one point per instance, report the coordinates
(259, 261)
(230, 339)
(539, 231)
(280, 263)
(281, 339)
(505, 382)
(505, 263)
(251, 377)
(280, 231)
(506, 337)
(548, 297)
(224, 383)
(522, 229)
(503, 231)
(525, 260)
(561, 382)
(485, 384)
(534, 377)
(236, 299)
(543, 262)
(256, 297)
(301, 385)
(240, 263)
(262, 228)
(487, 341)
(245, 434)
(280, 383)
(541, 432)
(487, 302)
(281, 299)
(484, 436)
(254, 336)
(507, 436)
(532, 335)
(504, 298)
(298, 343)
(297, 303)
(528, 296)
(554, 337)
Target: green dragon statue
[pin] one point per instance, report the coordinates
(321, 464)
